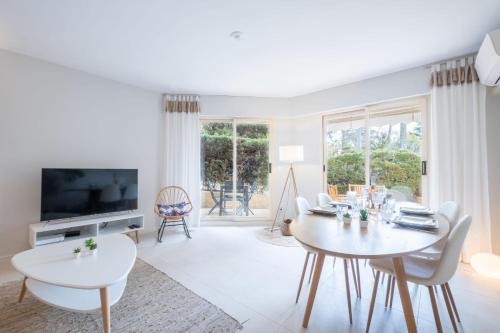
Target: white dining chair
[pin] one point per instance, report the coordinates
(324, 199)
(303, 207)
(430, 272)
(450, 211)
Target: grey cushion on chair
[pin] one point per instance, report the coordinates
(177, 209)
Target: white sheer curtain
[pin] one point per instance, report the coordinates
(181, 165)
(458, 159)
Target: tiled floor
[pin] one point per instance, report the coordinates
(256, 282)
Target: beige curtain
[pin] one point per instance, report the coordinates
(182, 103)
(454, 73)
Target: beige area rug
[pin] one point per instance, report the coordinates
(276, 238)
(152, 302)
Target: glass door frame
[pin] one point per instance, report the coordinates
(420, 102)
(242, 220)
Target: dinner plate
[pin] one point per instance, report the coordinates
(417, 222)
(324, 211)
(416, 211)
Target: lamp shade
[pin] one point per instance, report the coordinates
(291, 153)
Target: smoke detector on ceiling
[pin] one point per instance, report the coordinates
(236, 34)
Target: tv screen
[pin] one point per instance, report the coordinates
(78, 192)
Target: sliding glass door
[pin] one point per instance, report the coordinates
(345, 150)
(380, 146)
(235, 169)
(396, 154)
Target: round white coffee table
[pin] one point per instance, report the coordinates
(82, 284)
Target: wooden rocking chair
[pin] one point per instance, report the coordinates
(169, 197)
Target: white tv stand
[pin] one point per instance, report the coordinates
(90, 227)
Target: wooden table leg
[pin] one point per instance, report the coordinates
(137, 236)
(314, 287)
(106, 321)
(404, 294)
(23, 290)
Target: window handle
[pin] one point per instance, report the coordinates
(270, 167)
(424, 168)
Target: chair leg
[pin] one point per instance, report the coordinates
(448, 292)
(389, 280)
(354, 277)
(435, 289)
(302, 276)
(383, 278)
(213, 208)
(312, 267)
(161, 230)
(186, 229)
(435, 309)
(393, 286)
(448, 307)
(334, 261)
(359, 277)
(348, 289)
(372, 303)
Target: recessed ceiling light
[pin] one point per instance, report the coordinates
(236, 34)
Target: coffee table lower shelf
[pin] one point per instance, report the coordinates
(72, 299)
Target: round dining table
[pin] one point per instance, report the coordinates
(326, 236)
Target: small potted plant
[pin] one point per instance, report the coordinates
(77, 251)
(347, 218)
(363, 218)
(91, 246)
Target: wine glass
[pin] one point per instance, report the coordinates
(341, 210)
(378, 198)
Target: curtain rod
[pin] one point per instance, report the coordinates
(450, 59)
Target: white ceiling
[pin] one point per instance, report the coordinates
(288, 47)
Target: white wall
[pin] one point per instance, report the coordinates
(391, 86)
(250, 107)
(51, 116)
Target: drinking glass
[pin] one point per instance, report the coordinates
(341, 210)
(357, 206)
(378, 198)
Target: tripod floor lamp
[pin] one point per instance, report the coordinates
(289, 154)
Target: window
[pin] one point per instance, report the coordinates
(381, 145)
(235, 168)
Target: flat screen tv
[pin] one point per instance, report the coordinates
(68, 193)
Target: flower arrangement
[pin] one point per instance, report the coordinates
(347, 218)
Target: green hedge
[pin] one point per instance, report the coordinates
(217, 153)
(346, 168)
(392, 168)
